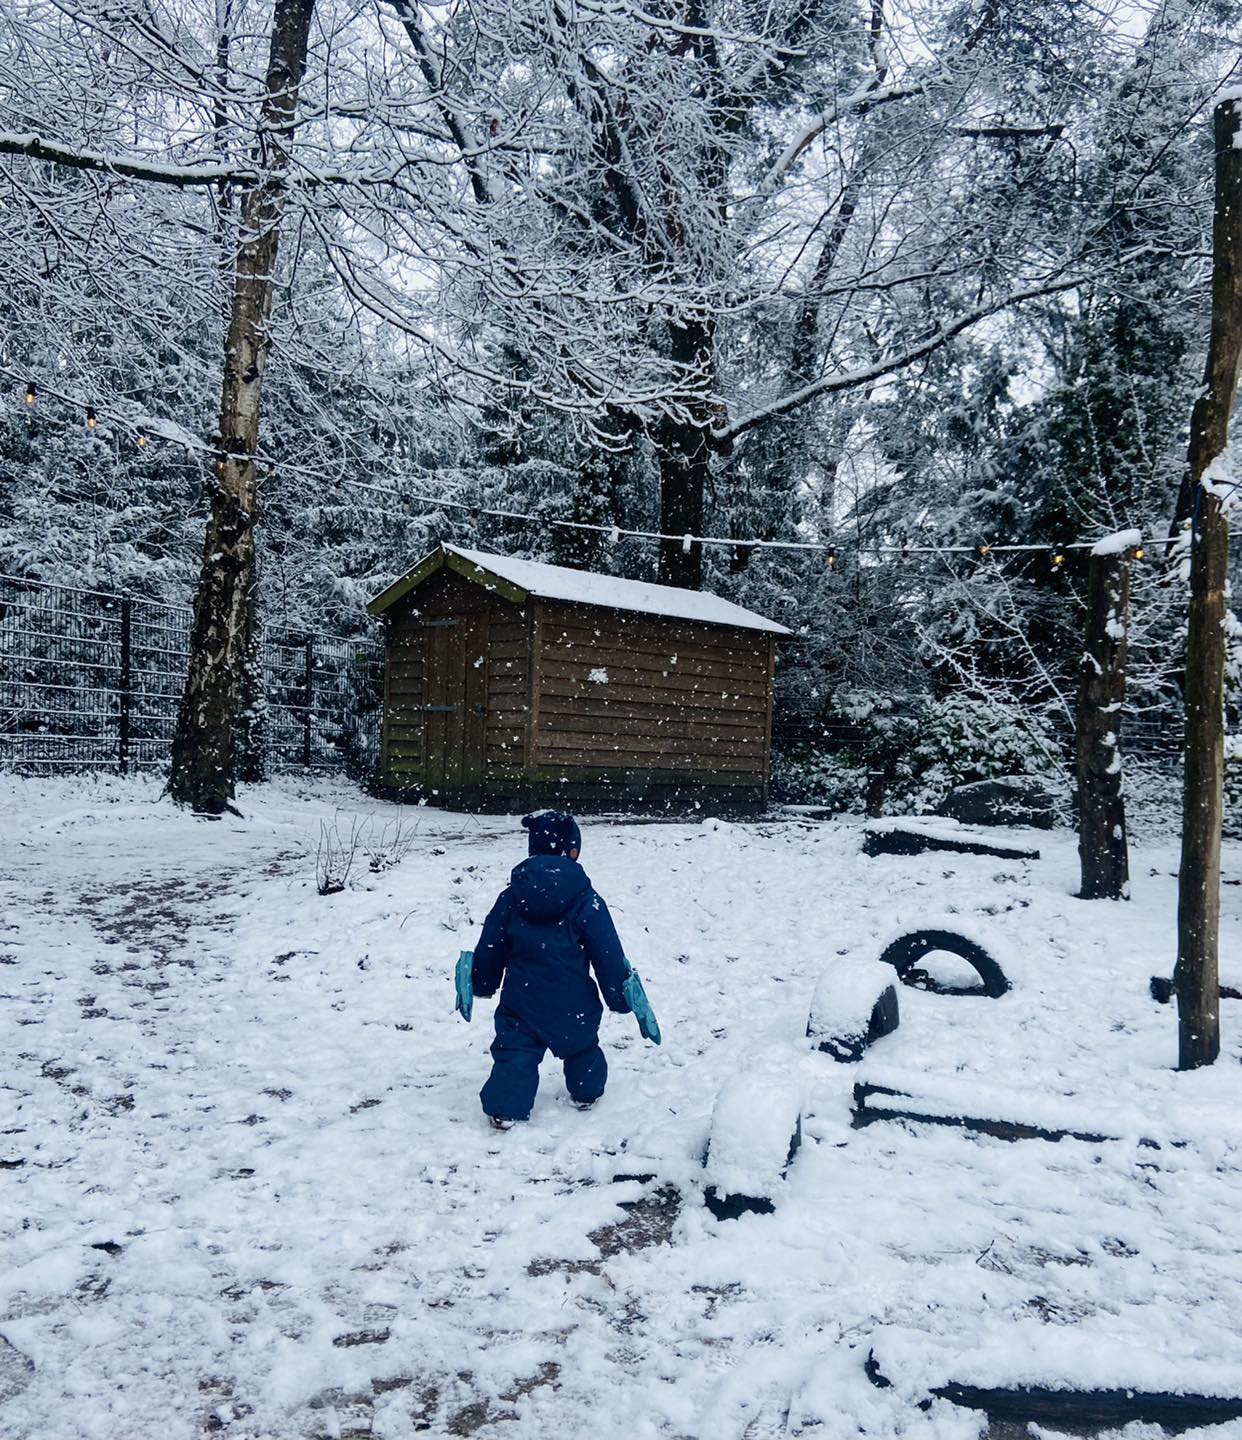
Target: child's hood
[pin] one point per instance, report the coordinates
(546, 886)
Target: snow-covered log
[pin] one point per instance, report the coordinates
(873, 1103)
(915, 836)
(1081, 1410)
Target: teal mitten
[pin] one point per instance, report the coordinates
(465, 986)
(636, 997)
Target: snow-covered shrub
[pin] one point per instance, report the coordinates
(804, 774)
(391, 845)
(1233, 790)
(918, 754)
(336, 854)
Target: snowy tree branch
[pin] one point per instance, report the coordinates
(852, 379)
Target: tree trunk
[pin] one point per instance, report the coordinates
(1198, 891)
(202, 753)
(1102, 851)
(683, 445)
(684, 464)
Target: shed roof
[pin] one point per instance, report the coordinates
(518, 579)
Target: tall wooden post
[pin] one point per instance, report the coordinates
(1198, 893)
(1102, 850)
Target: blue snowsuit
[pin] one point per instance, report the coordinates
(545, 934)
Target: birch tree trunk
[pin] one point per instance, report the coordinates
(1102, 851)
(202, 752)
(1198, 891)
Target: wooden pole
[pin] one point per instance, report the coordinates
(1198, 903)
(1102, 850)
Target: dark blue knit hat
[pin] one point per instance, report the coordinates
(552, 832)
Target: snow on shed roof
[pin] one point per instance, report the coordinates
(580, 587)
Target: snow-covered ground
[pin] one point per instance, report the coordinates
(247, 1187)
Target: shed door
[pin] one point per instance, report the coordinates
(455, 704)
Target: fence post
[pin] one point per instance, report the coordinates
(310, 701)
(127, 677)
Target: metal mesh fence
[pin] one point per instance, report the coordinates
(91, 681)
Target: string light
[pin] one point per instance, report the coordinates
(613, 533)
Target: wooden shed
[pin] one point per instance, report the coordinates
(511, 684)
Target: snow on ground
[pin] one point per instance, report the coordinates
(247, 1188)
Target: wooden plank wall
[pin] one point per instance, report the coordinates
(404, 686)
(508, 690)
(666, 700)
(507, 682)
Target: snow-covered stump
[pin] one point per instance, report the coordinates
(756, 1131)
(855, 1004)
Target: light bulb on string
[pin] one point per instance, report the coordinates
(91, 418)
(1058, 558)
(140, 439)
(1138, 553)
(983, 550)
(32, 391)
(830, 557)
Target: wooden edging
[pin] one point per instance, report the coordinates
(1083, 1409)
(904, 1107)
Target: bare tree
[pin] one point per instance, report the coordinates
(202, 763)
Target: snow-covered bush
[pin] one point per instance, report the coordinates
(804, 774)
(917, 754)
(390, 845)
(338, 851)
(336, 854)
(1233, 790)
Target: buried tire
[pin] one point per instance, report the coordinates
(904, 953)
